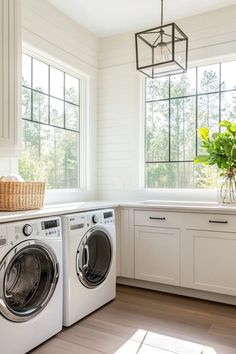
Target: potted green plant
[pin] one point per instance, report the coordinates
(221, 151)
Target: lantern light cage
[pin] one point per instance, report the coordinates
(161, 50)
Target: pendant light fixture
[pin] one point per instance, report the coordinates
(161, 50)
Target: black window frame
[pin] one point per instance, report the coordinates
(196, 95)
(51, 96)
(79, 130)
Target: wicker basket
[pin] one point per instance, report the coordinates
(21, 195)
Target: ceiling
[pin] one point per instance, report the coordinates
(108, 17)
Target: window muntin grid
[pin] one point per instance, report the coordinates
(51, 125)
(175, 107)
(63, 101)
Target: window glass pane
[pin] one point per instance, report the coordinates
(157, 131)
(208, 78)
(56, 112)
(26, 103)
(71, 89)
(40, 107)
(72, 116)
(170, 175)
(51, 154)
(208, 114)
(26, 70)
(180, 175)
(157, 88)
(29, 167)
(50, 125)
(205, 176)
(56, 83)
(228, 106)
(174, 128)
(40, 76)
(59, 157)
(228, 75)
(183, 85)
(183, 129)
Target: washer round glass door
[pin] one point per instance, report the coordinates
(28, 277)
(93, 259)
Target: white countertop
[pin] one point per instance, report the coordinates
(56, 209)
(67, 208)
(183, 206)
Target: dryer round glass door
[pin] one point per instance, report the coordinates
(94, 256)
(28, 277)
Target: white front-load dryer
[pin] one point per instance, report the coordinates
(30, 283)
(89, 245)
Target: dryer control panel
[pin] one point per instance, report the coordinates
(91, 218)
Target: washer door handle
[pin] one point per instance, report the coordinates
(85, 266)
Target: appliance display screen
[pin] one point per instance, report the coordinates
(50, 224)
(108, 214)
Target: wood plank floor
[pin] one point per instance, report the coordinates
(147, 322)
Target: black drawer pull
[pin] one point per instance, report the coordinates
(218, 222)
(152, 218)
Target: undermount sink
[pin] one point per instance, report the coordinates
(181, 203)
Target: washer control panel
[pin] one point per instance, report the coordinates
(91, 218)
(3, 236)
(51, 227)
(27, 229)
(108, 217)
(15, 232)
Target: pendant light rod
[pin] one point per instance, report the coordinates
(161, 12)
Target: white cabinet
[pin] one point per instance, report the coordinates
(157, 246)
(208, 257)
(126, 243)
(157, 254)
(193, 250)
(10, 77)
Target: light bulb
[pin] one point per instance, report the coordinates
(163, 52)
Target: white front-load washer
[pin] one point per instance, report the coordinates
(89, 245)
(30, 283)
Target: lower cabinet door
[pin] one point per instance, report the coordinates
(157, 256)
(209, 261)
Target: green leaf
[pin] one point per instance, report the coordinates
(203, 133)
(232, 128)
(233, 153)
(203, 159)
(225, 123)
(228, 149)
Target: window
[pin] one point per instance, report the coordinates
(51, 125)
(175, 107)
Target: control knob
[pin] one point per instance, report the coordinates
(27, 230)
(95, 219)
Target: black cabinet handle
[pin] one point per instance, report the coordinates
(152, 218)
(218, 222)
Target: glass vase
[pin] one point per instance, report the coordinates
(226, 188)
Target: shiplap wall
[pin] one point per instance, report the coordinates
(115, 147)
(49, 29)
(120, 115)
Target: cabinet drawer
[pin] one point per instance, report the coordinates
(157, 218)
(211, 222)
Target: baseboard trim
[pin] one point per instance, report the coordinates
(226, 299)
